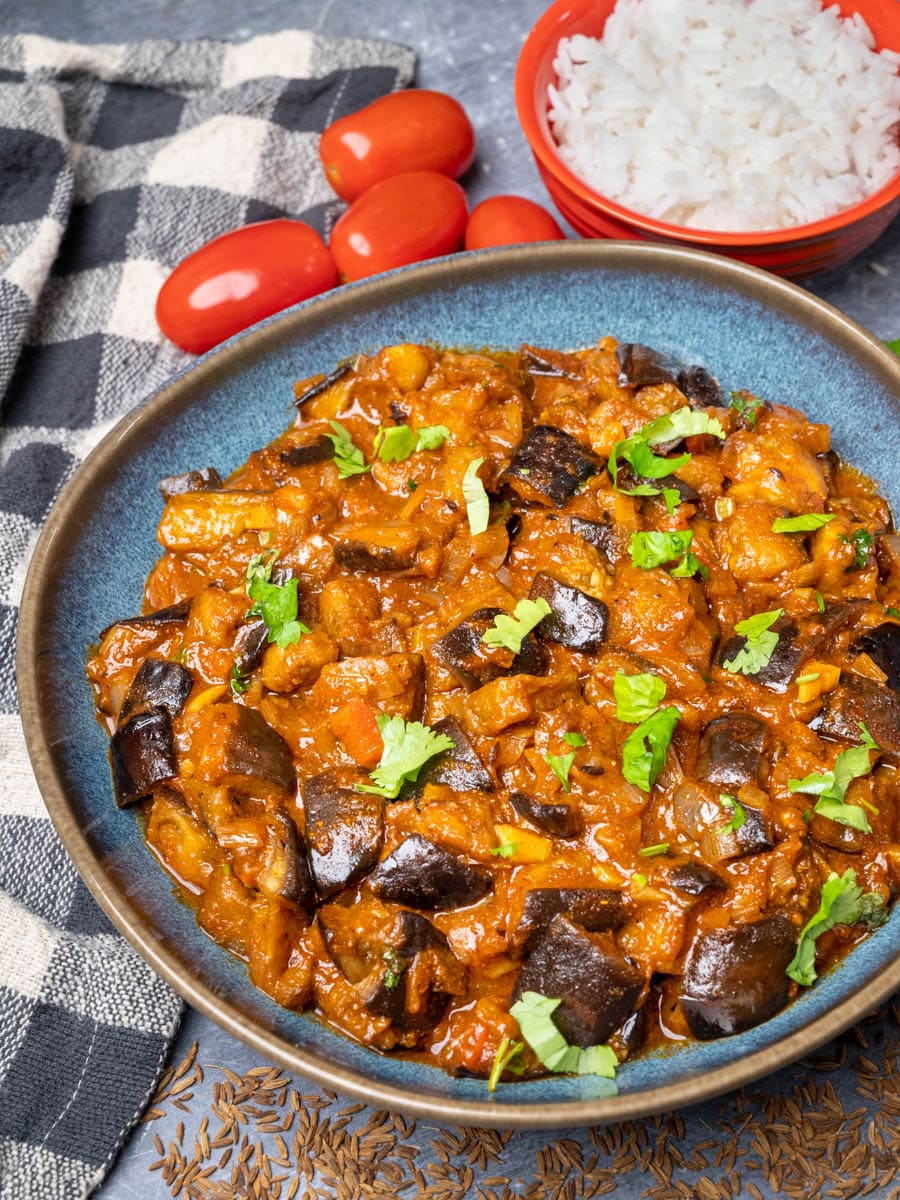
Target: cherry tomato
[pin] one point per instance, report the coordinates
(401, 220)
(239, 278)
(415, 130)
(508, 220)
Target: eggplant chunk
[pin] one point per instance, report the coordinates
(382, 546)
(578, 621)
(207, 479)
(158, 683)
(641, 366)
(694, 878)
(173, 614)
(882, 645)
(598, 910)
(418, 999)
(555, 364)
(731, 751)
(836, 836)
(860, 700)
(142, 752)
(475, 663)
(459, 768)
(423, 875)
(549, 464)
(250, 646)
(318, 389)
(321, 450)
(598, 534)
(735, 978)
(778, 673)
(599, 987)
(253, 749)
(558, 819)
(285, 871)
(344, 832)
(701, 389)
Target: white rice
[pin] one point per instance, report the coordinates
(729, 114)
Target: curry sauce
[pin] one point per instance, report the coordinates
(505, 678)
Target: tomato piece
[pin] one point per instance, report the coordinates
(239, 278)
(508, 220)
(415, 130)
(401, 220)
(356, 726)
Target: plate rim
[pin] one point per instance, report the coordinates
(642, 257)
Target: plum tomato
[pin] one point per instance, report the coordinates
(401, 220)
(415, 130)
(239, 278)
(508, 220)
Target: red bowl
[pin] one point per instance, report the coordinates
(798, 252)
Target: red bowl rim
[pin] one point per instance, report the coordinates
(544, 34)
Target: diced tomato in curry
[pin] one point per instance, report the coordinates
(413, 923)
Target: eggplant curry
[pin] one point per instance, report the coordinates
(519, 710)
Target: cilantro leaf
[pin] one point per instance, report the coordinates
(572, 738)
(820, 602)
(534, 1014)
(654, 851)
(746, 406)
(654, 548)
(511, 631)
(561, 765)
(478, 507)
(408, 745)
(348, 458)
(805, 523)
(276, 603)
(432, 437)
(842, 903)
(506, 1052)
(738, 814)
(637, 696)
(505, 849)
(395, 443)
(644, 750)
(638, 453)
(894, 346)
(862, 542)
(760, 643)
(239, 683)
(831, 786)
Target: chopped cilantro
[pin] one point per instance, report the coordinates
(239, 683)
(408, 745)
(820, 602)
(654, 851)
(746, 405)
(760, 643)
(672, 498)
(432, 437)
(639, 879)
(411, 485)
(534, 1014)
(561, 765)
(894, 345)
(654, 548)
(842, 903)
(275, 603)
(808, 678)
(505, 849)
(738, 814)
(637, 450)
(862, 542)
(637, 696)
(511, 631)
(645, 749)
(574, 739)
(892, 612)
(506, 1052)
(478, 507)
(831, 786)
(348, 458)
(805, 523)
(394, 444)
(395, 965)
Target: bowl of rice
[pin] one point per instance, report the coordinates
(766, 130)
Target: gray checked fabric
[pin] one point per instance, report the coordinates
(115, 162)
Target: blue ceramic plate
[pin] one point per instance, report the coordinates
(753, 331)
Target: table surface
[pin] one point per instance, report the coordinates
(470, 50)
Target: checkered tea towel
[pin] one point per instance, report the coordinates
(115, 162)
